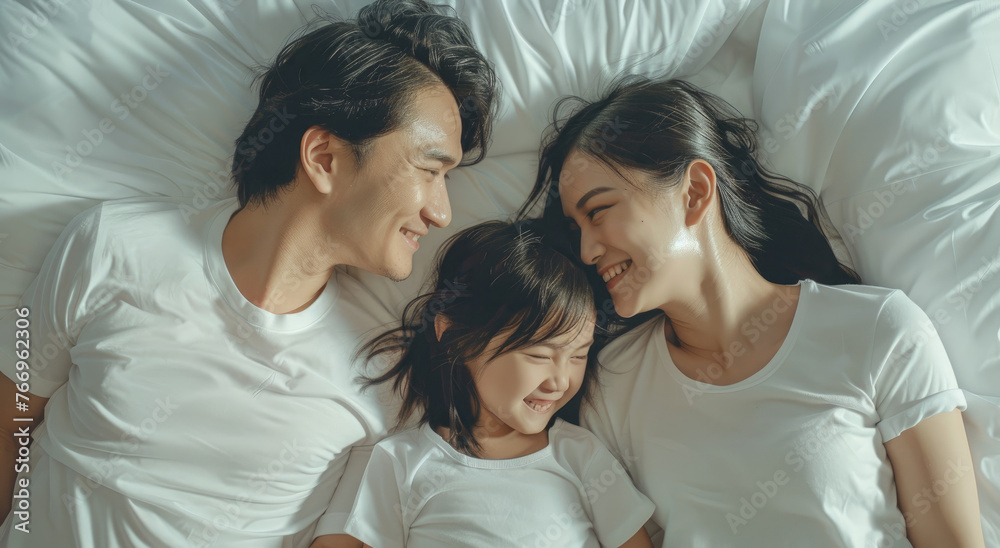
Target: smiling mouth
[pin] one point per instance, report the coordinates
(617, 270)
(539, 406)
(411, 238)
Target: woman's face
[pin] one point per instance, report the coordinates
(640, 244)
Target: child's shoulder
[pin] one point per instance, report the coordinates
(575, 444)
(404, 443)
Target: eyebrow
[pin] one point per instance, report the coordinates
(441, 156)
(591, 194)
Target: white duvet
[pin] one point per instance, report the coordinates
(891, 110)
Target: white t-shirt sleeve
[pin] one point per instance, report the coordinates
(594, 417)
(333, 522)
(912, 376)
(618, 509)
(61, 299)
(377, 516)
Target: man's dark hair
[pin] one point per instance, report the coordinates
(357, 80)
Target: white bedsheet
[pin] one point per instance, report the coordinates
(890, 109)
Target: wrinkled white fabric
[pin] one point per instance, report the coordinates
(179, 413)
(888, 108)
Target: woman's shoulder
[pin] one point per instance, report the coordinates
(625, 347)
(853, 299)
(872, 293)
(871, 311)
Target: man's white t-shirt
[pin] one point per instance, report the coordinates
(793, 455)
(180, 414)
(419, 492)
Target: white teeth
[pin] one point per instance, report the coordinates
(538, 407)
(616, 270)
(411, 235)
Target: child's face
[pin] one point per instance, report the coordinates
(522, 389)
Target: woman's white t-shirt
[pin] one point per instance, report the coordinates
(419, 492)
(793, 455)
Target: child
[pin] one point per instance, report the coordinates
(489, 358)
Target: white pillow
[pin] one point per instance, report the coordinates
(854, 98)
(114, 100)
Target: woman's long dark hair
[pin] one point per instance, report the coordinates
(659, 128)
(494, 279)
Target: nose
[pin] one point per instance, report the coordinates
(558, 380)
(437, 210)
(590, 249)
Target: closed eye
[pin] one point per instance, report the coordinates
(594, 211)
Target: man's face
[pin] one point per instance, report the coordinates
(399, 191)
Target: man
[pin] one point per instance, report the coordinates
(197, 378)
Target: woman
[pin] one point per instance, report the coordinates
(765, 399)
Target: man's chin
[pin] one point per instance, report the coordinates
(398, 277)
(397, 274)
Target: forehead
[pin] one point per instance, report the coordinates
(434, 123)
(574, 335)
(581, 173)
(582, 177)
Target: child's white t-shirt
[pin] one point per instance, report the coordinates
(793, 455)
(418, 491)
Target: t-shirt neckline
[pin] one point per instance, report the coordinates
(254, 315)
(805, 291)
(491, 464)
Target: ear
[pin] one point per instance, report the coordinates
(324, 157)
(699, 191)
(441, 323)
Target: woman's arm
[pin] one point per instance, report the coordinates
(639, 540)
(935, 483)
(336, 541)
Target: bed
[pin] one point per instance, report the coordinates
(890, 110)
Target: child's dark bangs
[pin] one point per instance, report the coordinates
(566, 311)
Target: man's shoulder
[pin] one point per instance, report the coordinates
(153, 210)
(102, 225)
(149, 235)
(157, 225)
